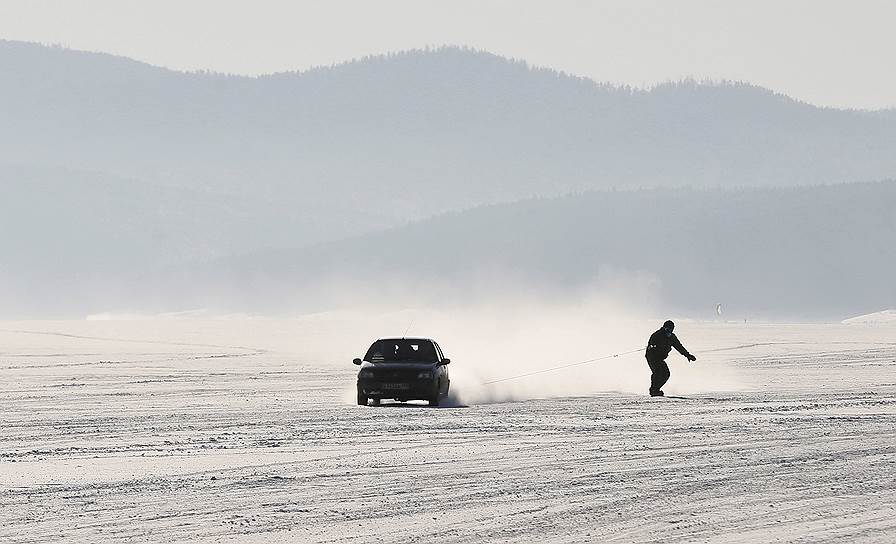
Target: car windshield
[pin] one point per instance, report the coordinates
(402, 350)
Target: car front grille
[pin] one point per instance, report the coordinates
(395, 375)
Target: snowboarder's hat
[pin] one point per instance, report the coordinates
(669, 326)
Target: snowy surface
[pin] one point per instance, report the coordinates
(244, 431)
(885, 317)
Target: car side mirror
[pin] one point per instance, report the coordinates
(446, 361)
(357, 361)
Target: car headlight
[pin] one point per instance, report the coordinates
(424, 375)
(365, 374)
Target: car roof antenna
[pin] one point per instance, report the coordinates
(407, 329)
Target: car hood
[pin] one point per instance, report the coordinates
(408, 365)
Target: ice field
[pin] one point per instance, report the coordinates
(245, 430)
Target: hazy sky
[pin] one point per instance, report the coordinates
(828, 53)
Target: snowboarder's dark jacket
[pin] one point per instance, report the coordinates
(659, 346)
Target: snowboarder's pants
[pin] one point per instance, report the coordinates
(660, 374)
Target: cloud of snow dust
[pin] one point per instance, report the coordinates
(515, 342)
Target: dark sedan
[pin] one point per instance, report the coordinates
(403, 369)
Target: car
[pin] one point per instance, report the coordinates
(403, 369)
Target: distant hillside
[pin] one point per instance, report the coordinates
(408, 135)
(884, 317)
(113, 170)
(813, 252)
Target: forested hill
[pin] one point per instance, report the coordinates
(810, 252)
(115, 173)
(417, 133)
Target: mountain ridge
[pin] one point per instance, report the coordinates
(481, 117)
(688, 81)
(294, 160)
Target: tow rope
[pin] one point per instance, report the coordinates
(561, 367)
(552, 369)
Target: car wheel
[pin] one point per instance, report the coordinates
(362, 399)
(434, 399)
(375, 402)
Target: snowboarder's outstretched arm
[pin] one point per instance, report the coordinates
(681, 349)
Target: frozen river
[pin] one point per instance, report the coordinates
(245, 431)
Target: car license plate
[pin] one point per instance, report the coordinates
(396, 386)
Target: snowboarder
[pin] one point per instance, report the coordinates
(658, 347)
